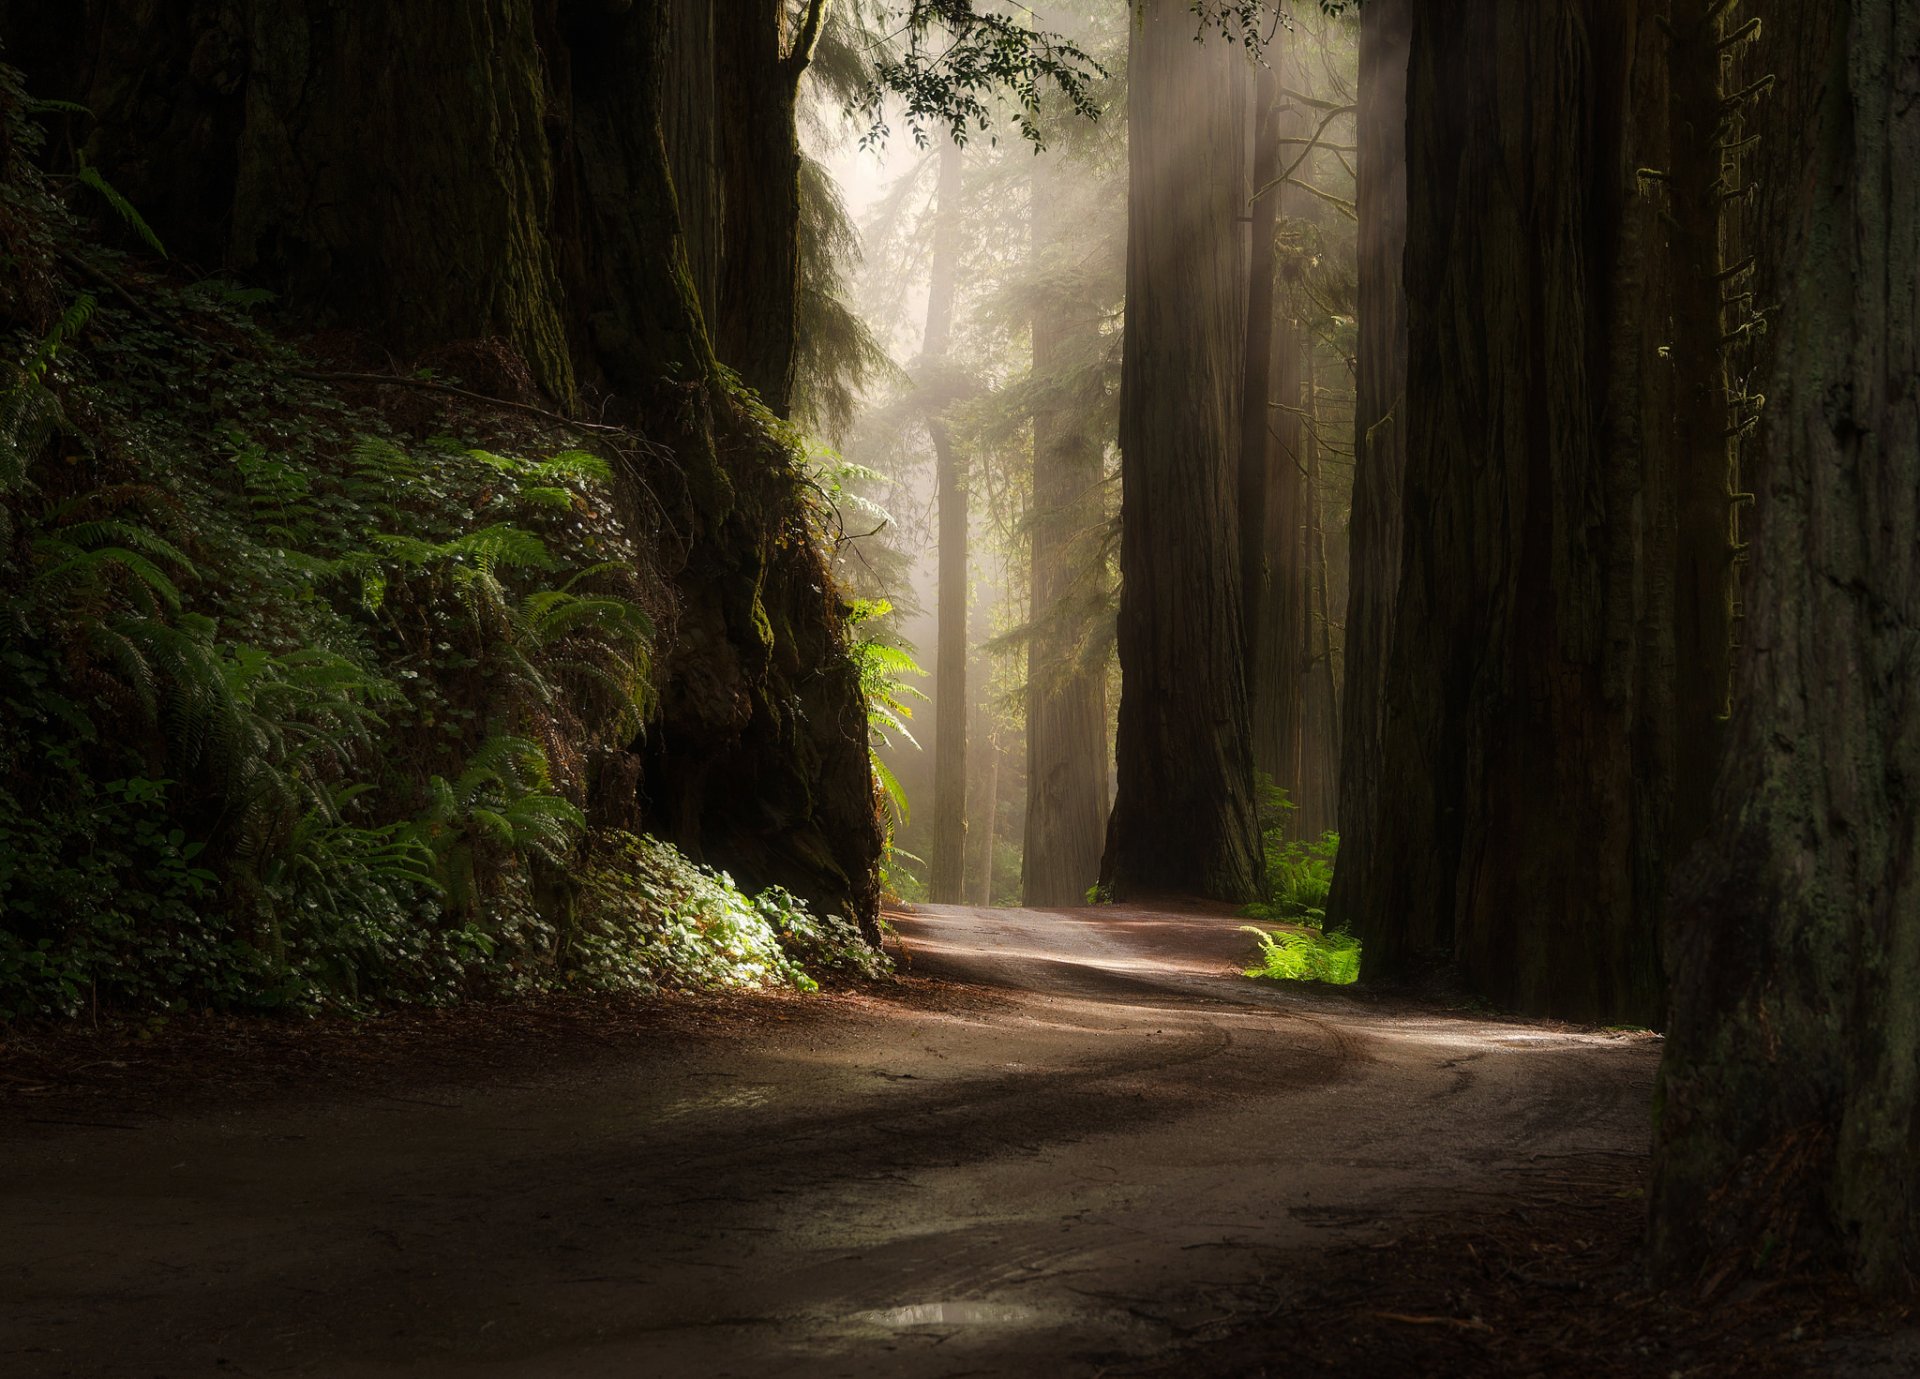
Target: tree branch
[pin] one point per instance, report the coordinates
(797, 61)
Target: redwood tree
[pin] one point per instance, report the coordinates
(1789, 1105)
(1271, 491)
(1362, 887)
(1066, 688)
(1512, 818)
(1183, 816)
(946, 871)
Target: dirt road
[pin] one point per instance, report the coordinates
(1078, 1163)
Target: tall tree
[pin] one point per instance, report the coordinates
(495, 171)
(1789, 1106)
(1066, 686)
(1256, 439)
(1270, 490)
(946, 872)
(1183, 817)
(1513, 815)
(758, 67)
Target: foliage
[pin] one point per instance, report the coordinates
(884, 669)
(1299, 877)
(1293, 956)
(1299, 872)
(836, 355)
(956, 57)
(649, 915)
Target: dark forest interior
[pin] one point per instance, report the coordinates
(916, 687)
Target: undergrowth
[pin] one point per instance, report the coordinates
(1299, 879)
(1306, 956)
(298, 710)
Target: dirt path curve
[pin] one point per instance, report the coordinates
(1081, 1167)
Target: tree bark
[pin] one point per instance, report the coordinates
(692, 125)
(989, 806)
(759, 149)
(1317, 791)
(947, 865)
(1183, 818)
(1270, 513)
(1515, 820)
(1379, 450)
(1256, 440)
(1066, 692)
(1703, 593)
(1789, 1109)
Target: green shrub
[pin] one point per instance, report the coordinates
(1306, 956)
(1299, 873)
(649, 916)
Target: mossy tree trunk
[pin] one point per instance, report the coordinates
(759, 67)
(495, 169)
(1515, 814)
(1183, 818)
(1789, 1097)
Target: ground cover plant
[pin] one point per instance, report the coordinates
(1299, 874)
(303, 704)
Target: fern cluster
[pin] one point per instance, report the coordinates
(299, 709)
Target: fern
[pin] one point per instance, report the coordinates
(89, 176)
(30, 412)
(884, 670)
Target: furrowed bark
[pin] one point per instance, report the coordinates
(1183, 817)
(1789, 1104)
(1361, 882)
(759, 150)
(1515, 819)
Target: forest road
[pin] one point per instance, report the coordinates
(1098, 1150)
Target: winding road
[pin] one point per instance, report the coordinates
(1087, 1155)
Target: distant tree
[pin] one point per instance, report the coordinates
(946, 871)
(1183, 817)
(1516, 818)
(1066, 673)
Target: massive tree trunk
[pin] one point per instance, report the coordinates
(1514, 818)
(758, 79)
(494, 170)
(1066, 689)
(947, 865)
(1361, 882)
(1183, 818)
(691, 121)
(1789, 1105)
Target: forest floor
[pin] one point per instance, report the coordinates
(1066, 1143)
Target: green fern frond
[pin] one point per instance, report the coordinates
(578, 465)
(89, 176)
